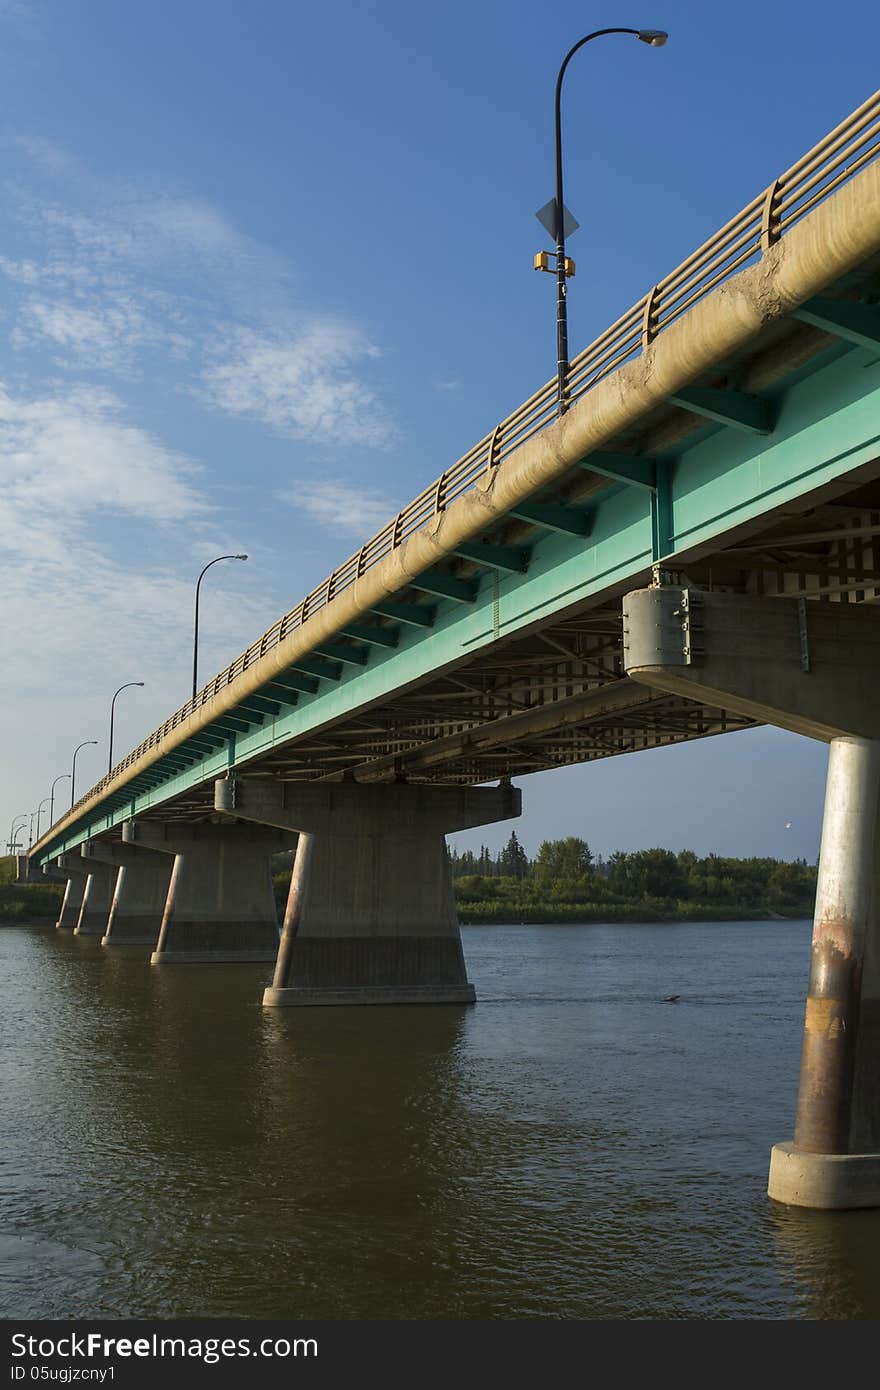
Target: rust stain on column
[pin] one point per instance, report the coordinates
(830, 1033)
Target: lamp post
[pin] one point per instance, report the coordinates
(63, 778)
(127, 685)
(196, 626)
(656, 38)
(17, 824)
(39, 813)
(87, 743)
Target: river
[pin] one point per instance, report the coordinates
(572, 1147)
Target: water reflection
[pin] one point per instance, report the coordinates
(569, 1148)
(831, 1258)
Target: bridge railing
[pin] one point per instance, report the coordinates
(835, 159)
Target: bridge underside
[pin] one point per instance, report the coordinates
(555, 693)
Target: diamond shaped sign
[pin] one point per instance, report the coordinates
(547, 218)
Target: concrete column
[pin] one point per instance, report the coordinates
(97, 897)
(811, 667)
(138, 899)
(220, 904)
(371, 914)
(78, 872)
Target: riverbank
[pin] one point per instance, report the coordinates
(571, 914)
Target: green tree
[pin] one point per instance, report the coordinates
(513, 861)
(563, 859)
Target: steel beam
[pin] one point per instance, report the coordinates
(445, 586)
(412, 614)
(510, 559)
(553, 517)
(623, 468)
(373, 636)
(845, 318)
(734, 408)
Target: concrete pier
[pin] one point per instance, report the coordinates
(220, 904)
(371, 914)
(77, 872)
(813, 668)
(97, 896)
(141, 887)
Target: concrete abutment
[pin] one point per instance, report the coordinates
(811, 667)
(370, 916)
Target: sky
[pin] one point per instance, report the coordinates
(266, 270)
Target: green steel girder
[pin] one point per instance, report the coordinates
(373, 636)
(259, 704)
(845, 318)
(623, 468)
(412, 614)
(553, 517)
(314, 666)
(734, 408)
(233, 724)
(301, 685)
(445, 586)
(284, 694)
(337, 651)
(511, 559)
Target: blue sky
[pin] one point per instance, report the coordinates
(265, 270)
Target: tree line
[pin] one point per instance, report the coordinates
(565, 874)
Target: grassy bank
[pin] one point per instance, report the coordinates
(27, 902)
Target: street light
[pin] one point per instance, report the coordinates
(39, 813)
(112, 709)
(87, 743)
(13, 830)
(553, 216)
(196, 627)
(63, 778)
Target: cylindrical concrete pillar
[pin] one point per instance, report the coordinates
(97, 898)
(834, 1160)
(72, 901)
(844, 906)
(293, 911)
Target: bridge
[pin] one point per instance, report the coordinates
(689, 548)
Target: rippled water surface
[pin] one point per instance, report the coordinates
(572, 1147)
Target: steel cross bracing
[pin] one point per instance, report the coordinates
(484, 641)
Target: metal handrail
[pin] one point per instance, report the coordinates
(840, 154)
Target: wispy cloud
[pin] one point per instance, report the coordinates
(343, 507)
(65, 454)
(81, 613)
(106, 337)
(116, 272)
(303, 383)
(449, 385)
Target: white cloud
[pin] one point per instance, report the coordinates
(342, 507)
(450, 385)
(80, 618)
(106, 336)
(66, 454)
(302, 383)
(126, 271)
